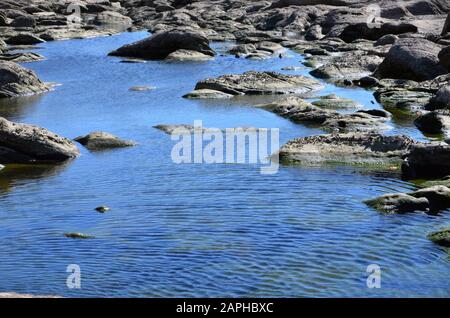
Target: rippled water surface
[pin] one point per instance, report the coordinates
(195, 230)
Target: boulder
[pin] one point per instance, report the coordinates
(16, 81)
(412, 58)
(405, 99)
(114, 20)
(22, 143)
(160, 45)
(24, 39)
(101, 141)
(434, 122)
(441, 100)
(351, 149)
(427, 160)
(24, 21)
(398, 203)
(444, 57)
(437, 196)
(260, 83)
(446, 28)
(364, 31)
(441, 237)
(387, 39)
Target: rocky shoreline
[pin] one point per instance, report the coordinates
(402, 56)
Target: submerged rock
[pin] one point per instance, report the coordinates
(441, 237)
(300, 111)
(102, 141)
(207, 94)
(103, 209)
(22, 143)
(141, 88)
(16, 80)
(188, 55)
(430, 200)
(350, 149)
(398, 203)
(335, 102)
(160, 45)
(79, 236)
(260, 83)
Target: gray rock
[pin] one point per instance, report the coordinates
(101, 141)
(437, 196)
(260, 83)
(187, 55)
(22, 143)
(364, 31)
(24, 57)
(207, 94)
(387, 39)
(348, 66)
(446, 28)
(370, 149)
(406, 99)
(335, 102)
(26, 21)
(441, 100)
(160, 45)
(17, 81)
(434, 122)
(444, 57)
(398, 203)
(414, 59)
(24, 39)
(427, 160)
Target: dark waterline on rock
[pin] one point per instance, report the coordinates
(195, 230)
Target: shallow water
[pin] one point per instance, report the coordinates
(195, 230)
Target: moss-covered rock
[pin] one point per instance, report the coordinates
(398, 203)
(441, 237)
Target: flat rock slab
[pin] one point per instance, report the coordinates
(260, 83)
(348, 149)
